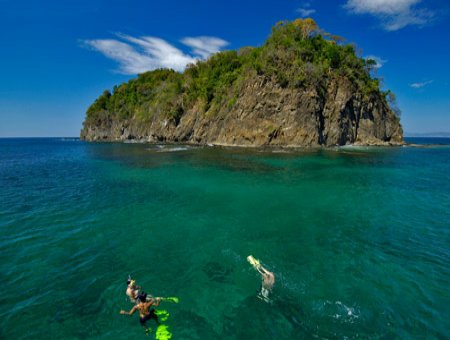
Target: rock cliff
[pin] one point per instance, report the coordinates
(298, 89)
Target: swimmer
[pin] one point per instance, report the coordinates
(144, 307)
(132, 290)
(267, 277)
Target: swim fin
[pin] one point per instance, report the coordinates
(254, 262)
(162, 315)
(163, 333)
(173, 299)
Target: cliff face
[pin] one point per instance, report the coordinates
(267, 114)
(256, 110)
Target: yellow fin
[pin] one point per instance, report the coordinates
(163, 315)
(254, 262)
(163, 333)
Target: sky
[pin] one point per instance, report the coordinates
(57, 57)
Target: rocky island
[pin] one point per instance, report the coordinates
(302, 87)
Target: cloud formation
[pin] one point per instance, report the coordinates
(393, 14)
(305, 10)
(379, 62)
(138, 55)
(204, 46)
(420, 85)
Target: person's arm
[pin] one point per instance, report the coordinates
(131, 312)
(264, 270)
(260, 271)
(155, 304)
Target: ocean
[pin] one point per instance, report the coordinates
(358, 240)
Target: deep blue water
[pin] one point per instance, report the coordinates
(358, 240)
(428, 140)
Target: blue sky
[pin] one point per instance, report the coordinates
(58, 56)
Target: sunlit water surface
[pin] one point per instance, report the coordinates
(358, 239)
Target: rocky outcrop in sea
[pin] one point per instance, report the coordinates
(253, 98)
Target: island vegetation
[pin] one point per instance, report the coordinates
(297, 57)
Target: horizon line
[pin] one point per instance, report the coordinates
(408, 135)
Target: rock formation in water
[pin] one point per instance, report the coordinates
(301, 88)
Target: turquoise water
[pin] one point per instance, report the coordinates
(358, 239)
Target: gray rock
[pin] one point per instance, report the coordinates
(265, 114)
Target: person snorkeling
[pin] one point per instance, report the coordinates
(132, 290)
(267, 277)
(144, 307)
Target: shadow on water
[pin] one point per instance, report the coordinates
(218, 272)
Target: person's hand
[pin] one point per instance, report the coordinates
(123, 312)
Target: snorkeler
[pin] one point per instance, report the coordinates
(267, 277)
(145, 313)
(132, 290)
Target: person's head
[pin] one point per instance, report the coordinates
(130, 281)
(142, 297)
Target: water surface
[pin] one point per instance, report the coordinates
(358, 239)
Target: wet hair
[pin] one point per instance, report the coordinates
(128, 281)
(142, 296)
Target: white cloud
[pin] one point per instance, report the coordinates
(305, 12)
(204, 46)
(420, 85)
(379, 62)
(390, 7)
(131, 61)
(138, 55)
(393, 14)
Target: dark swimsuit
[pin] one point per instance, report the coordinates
(151, 315)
